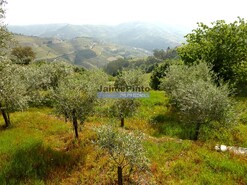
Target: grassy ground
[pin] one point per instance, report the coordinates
(39, 148)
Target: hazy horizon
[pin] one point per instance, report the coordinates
(113, 12)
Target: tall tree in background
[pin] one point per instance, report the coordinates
(23, 55)
(116, 66)
(163, 55)
(222, 45)
(157, 74)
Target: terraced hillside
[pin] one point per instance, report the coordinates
(83, 51)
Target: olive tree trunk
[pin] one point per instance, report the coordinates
(122, 122)
(120, 175)
(198, 126)
(75, 124)
(5, 115)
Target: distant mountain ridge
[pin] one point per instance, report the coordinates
(147, 36)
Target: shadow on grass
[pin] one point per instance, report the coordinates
(38, 163)
(2, 127)
(170, 125)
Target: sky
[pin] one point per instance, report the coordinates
(112, 12)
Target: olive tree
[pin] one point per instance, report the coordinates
(13, 94)
(195, 95)
(76, 96)
(123, 108)
(44, 77)
(129, 80)
(125, 149)
(12, 83)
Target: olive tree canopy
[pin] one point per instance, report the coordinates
(195, 95)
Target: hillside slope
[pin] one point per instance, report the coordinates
(40, 148)
(83, 51)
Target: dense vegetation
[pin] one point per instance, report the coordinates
(54, 129)
(147, 64)
(223, 46)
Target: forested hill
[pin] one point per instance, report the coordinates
(136, 34)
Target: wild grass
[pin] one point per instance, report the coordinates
(33, 147)
(39, 148)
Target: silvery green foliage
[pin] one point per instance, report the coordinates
(96, 78)
(77, 93)
(44, 77)
(124, 148)
(47, 75)
(195, 95)
(123, 108)
(13, 94)
(133, 77)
